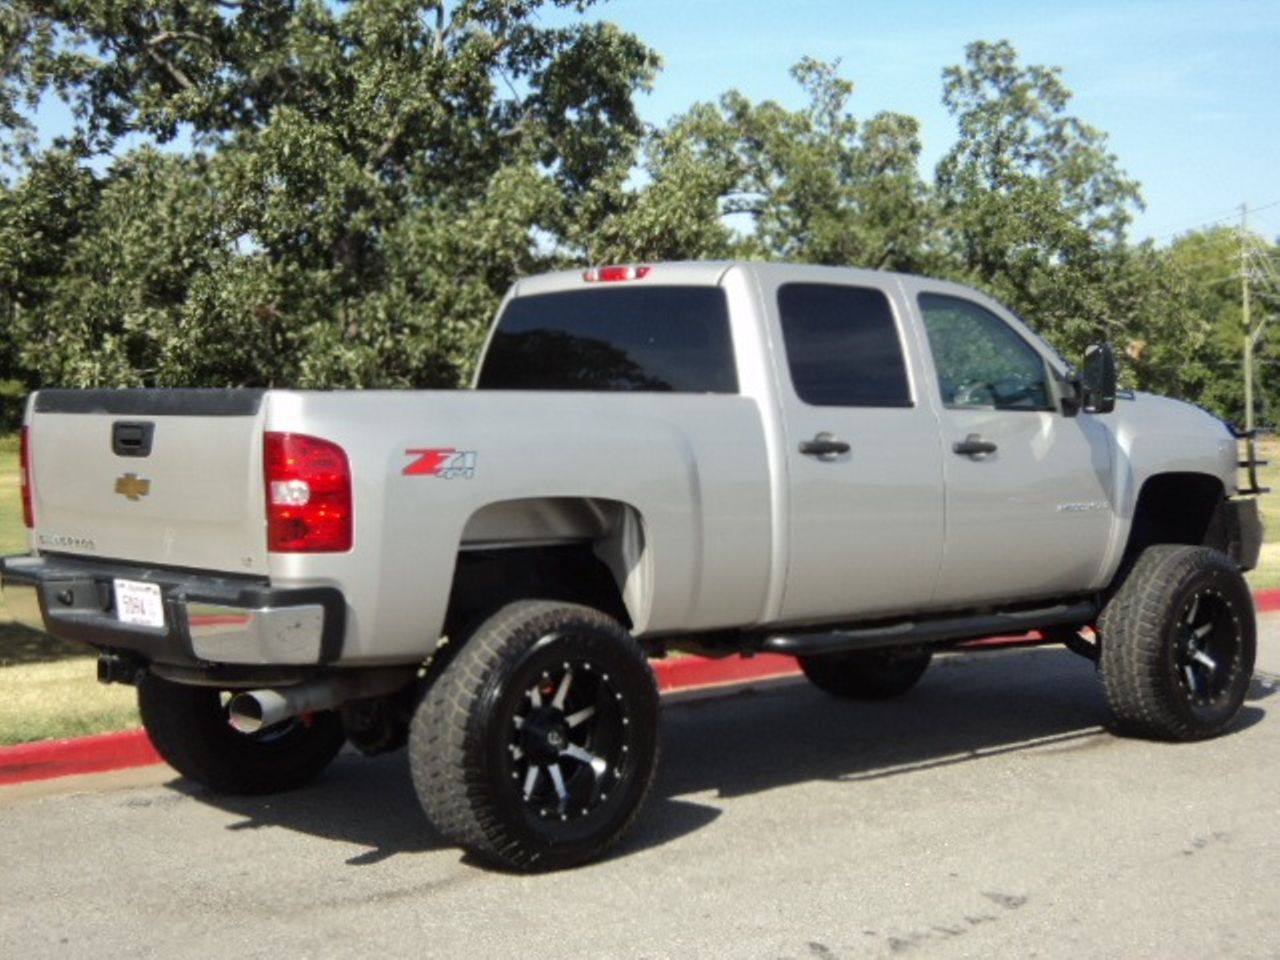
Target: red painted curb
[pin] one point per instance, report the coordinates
(684, 672)
(47, 759)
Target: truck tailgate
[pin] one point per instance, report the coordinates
(161, 477)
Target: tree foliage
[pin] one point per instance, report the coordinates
(317, 194)
(811, 184)
(1034, 207)
(362, 182)
(1190, 342)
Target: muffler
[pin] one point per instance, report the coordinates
(254, 710)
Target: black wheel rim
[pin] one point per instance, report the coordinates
(1207, 650)
(569, 742)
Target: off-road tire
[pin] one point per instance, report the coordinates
(867, 674)
(1178, 641)
(496, 714)
(188, 726)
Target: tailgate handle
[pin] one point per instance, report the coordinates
(132, 438)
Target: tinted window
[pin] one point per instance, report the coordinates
(842, 346)
(981, 360)
(614, 339)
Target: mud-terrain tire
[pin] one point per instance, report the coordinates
(867, 674)
(189, 728)
(536, 746)
(1178, 641)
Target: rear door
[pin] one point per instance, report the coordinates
(164, 477)
(865, 498)
(1028, 502)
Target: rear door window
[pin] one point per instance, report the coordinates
(842, 346)
(614, 339)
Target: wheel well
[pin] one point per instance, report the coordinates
(1173, 508)
(487, 579)
(577, 549)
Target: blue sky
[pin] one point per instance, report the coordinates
(1188, 92)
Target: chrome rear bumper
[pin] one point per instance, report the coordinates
(207, 619)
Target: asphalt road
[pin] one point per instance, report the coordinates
(987, 814)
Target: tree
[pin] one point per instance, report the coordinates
(811, 185)
(353, 187)
(1195, 350)
(303, 193)
(1034, 208)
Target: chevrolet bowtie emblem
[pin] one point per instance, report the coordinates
(133, 486)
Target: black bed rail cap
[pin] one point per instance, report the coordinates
(155, 402)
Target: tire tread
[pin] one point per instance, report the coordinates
(446, 755)
(1133, 627)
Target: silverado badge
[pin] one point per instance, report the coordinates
(133, 486)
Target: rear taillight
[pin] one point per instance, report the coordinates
(24, 470)
(308, 483)
(613, 274)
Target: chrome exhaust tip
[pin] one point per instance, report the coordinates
(252, 711)
(256, 710)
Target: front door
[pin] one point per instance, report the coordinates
(1027, 487)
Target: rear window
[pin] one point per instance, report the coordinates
(617, 339)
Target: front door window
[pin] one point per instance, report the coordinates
(981, 361)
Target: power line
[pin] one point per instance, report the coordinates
(1275, 225)
(1212, 220)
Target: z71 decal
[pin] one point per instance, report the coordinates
(445, 463)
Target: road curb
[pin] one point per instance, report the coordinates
(681, 673)
(1267, 601)
(47, 759)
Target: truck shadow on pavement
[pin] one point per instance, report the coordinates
(768, 735)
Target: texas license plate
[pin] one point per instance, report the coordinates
(139, 603)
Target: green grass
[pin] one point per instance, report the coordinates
(1267, 575)
(44, 701)
(13, 536)
(49, 688)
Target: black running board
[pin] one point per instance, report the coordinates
(941, 630)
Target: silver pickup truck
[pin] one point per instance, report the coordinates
(853, 467)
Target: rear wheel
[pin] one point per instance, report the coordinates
(1178, 641)
(189, 727)
(868, 674)
(536, 746)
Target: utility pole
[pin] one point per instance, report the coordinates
(1248, 325)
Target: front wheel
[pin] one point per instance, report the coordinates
(1178, 641)
(536, 746)
(189, 726)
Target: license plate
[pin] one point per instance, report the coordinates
(139, 603)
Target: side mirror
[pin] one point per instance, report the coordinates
(1099, 379)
